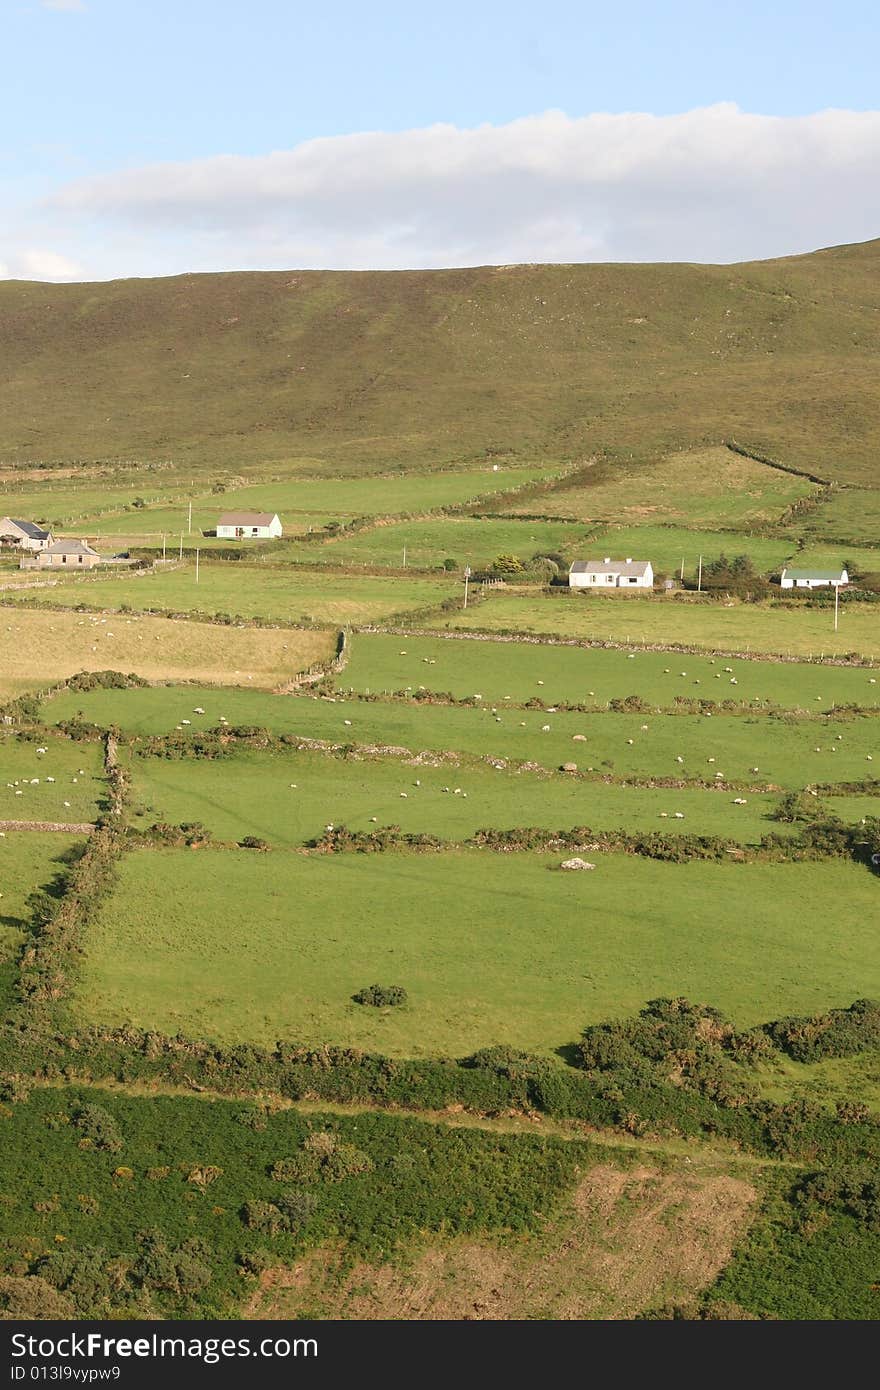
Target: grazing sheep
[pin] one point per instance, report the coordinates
(347, 723)
(739, 801)
(679, 815)
(545, 728)
(186, 721)
(679, 758)
(629, 740)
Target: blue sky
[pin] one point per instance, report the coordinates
(95, 91)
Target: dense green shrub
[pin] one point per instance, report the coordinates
(381, 996)
(838, 1033)
(98, 1128)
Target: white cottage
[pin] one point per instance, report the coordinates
(611, 574)
(249, 526)
(814, 579)
(23, 535)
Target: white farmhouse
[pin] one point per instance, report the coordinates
(249, 526)
(23, 535)
(611, 574)
(814, 579)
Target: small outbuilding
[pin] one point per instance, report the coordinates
(23, 535)
(63, 555)
(814, 579)
(611, 574)
(249, 526)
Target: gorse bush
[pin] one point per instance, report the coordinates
(98, 1128)
(381, 996)
(838, 1033)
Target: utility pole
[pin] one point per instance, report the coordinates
(682, 569)
(163, 547)
(189, 524)
(180, 556)
(404, 557)
(467, 575)
(197, 564)
(700, 576)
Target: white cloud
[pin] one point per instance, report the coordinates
(38, 264)
(715, 184)
(71, 6)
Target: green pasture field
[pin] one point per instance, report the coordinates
(702, 487)
(67, 502)
(254, 591)
(592, 675)
(77, 770)
(478, 541)
(335, 498)
(492, 949)
(39, 648)
(828, 554)
(467, 540)
(29, 860)
(850, 514)
(746, 627)
(289, 798)
(784, 752)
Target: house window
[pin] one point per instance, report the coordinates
(79, 559)
(64, 559)
(254, 530)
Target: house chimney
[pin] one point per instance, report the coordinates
(607, 560)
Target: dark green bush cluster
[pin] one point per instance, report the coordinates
(853, 1191)
(105, 680)
(187, 834)
(98, 1128)
(381, 996)
(95, 1281)
(341, 840)
(323, 1158)
(838, 1033)
(675, 1042)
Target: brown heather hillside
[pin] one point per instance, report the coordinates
(375, 369)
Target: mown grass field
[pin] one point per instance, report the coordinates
(701, 487)
(257, 591)
(29, 861)
(790, 631)
(521, 671)
(492, 949)
(289, 798)
(38, 648)
(26, 791)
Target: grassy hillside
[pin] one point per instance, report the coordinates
(370, 370)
